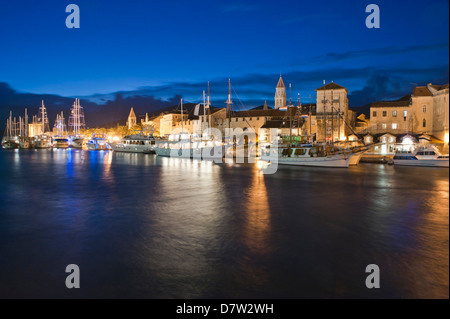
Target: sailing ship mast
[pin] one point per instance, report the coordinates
(229, 102)
(209, 109)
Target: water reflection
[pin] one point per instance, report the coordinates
(183, 236)
(148, 227)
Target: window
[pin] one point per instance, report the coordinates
(384, 113)
(383, 126)
(424, 123)
(394, 126)
(257, 118)
(424, 108)
(250, 119)
(374, 113)
(405, 113)
(394, 113)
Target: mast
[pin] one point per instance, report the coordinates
(290, 94)
(204, 115)
(332, 119)
(310, 118)
(10, 124)
(339, 119)
(26, 123)
(209, 109)
(229, 102)
(182, 127)
(298, 111)
(325, 122)
(43, 118)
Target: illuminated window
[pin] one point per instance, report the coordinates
(383, 126)
(394, 113)
(394, 126)
(405, 113)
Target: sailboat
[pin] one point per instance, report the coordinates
(24, 139)
(10, 139)
(43, 140)
(314, 154)
(184, 145)
(60, 140)
(76, 123)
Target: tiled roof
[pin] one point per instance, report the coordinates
(280, 83)
(440, 87)
(132, 113)
(331, 86)
(421, 91)
(273, 113)
(404, 101)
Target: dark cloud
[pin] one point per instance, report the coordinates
(365, 85)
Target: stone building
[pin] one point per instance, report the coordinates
(280, 94)
(425, 111)
(131, 122)
(332, 113)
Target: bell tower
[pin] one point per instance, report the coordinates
(280, 94)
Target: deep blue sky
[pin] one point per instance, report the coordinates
(168, 48)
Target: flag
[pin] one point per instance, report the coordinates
(197, 108)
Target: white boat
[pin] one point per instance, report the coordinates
(312, 155)
(61, 142)
(428, 156)
(207, 150)
(10, 139)
(76, 141)
(10, 143)
(76, 124)
(97, 143)
(42, 141)
(137, 143)
(24, 142)
(184, 145)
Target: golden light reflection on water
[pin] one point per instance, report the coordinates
(257, 227)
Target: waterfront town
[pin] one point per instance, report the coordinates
(419, 118)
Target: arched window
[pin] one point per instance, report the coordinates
(424, 123)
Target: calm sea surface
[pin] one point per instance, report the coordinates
(141, 226)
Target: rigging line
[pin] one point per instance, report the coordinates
(243, 110)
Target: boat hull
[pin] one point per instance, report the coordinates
(10, 145)
(338, 161)
(76, 143)
(424, 163)
(206, 153)
(145, 149)
(96, 147)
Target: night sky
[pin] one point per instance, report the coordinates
(164, 49)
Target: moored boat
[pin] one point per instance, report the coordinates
(319, 155)
(61, 142)
(97, 143)
(137, 143)
(428, 156)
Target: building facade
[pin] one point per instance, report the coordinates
(280, 94)
(131, 122)
(332, 113)
(425, 111)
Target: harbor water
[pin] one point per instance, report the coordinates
(142, 226)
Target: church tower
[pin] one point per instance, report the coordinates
(131, 119)
(280, 94)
